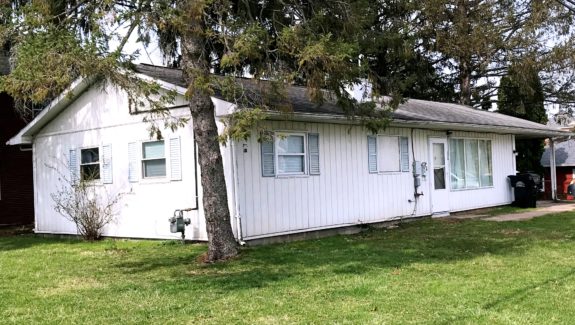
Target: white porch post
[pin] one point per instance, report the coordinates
(553, 170)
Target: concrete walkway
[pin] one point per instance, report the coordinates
(543, 208)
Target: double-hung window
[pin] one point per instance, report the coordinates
(156, 160)
(153, 159)
(289, 154)
(387, 154)
(471, 165)
(90, 164)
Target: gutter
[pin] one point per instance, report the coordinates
(235, 185)
(197, 207)
(421, 124)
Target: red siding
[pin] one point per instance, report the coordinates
(16, 185)
(564, 178)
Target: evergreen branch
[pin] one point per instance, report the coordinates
(568, 4)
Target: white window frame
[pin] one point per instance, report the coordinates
(280, 135)
(99, 163)
(144, 160)
(465, 188)
(381, 154)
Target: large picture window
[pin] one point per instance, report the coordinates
(470, 161)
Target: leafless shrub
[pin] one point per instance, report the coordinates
(88, 205)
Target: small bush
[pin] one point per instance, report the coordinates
(87, 205)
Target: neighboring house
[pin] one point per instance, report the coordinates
(16, 191)
(565, 168)
(321, 170)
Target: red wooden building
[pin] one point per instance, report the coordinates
(16, 184)
(565, 169)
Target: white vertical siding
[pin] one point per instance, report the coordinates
(345, 192)
(99, 118)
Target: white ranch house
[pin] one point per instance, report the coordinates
(321, 171)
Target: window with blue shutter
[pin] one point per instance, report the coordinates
(404, 153)
(372, 153)
(288, 154)
(268, 158)
(313, 144)
(387, 154)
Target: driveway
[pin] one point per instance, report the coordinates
(543, 208)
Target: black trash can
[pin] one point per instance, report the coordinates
(526, 187)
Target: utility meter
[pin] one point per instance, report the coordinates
(178, 223)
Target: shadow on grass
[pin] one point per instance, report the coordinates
(24, 241)
(19, 242)
(514, 296)
(525, 291)
(376, 250)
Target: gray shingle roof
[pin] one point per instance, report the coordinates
(564, 154)
(412, 111)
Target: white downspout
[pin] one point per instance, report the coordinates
(514, 153)
(553, 170)
(235, 185)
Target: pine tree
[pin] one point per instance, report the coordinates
(521, 95)
(473, 43)
(312, 43)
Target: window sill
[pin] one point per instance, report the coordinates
(155, 180)
(293, 176)
(97, 182)
(472, 189)
(389, 173)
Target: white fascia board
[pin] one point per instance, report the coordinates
(164, 84)
(26, 135)
(223, 108)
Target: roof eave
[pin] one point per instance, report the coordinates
(164, 84)
(432, 125)
(27, 134)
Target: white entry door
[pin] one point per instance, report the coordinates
(439, 176)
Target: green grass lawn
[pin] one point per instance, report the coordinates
(432, 271)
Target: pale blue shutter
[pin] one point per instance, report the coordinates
(268, 158)
(313, 147)
(73, 165)
(372, 153)
(404, 153)
(107, 164)
(175, 160)
(133, 162)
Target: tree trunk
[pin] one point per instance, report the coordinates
(221, 242)
(465, 82)
(463, 32)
